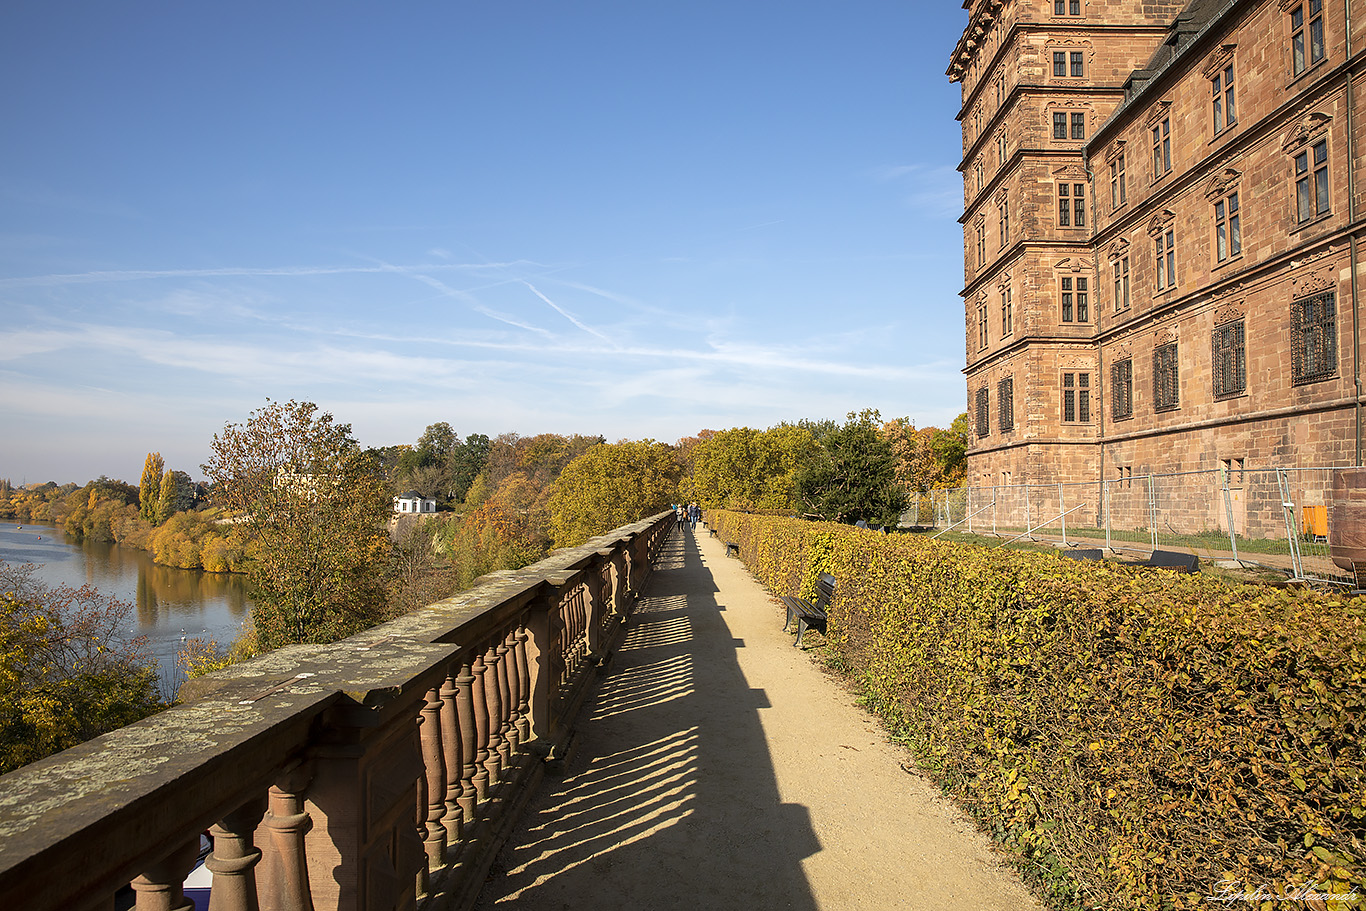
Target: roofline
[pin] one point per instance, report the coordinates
(1150, 88)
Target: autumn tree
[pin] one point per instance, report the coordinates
(69, 670)
(610, 485)
(149, 491)
(464, 464)
(928, 458)
(851, 474)
(177, 495)
(316, 508)
(748, 469)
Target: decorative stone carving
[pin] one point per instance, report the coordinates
(1312, 283)
(1163, 337)
(1116, 149)
(1157, 112)
(1161, 222)
(1308, 128)
(1229, 312)
(1070, 172)
(1223, 182)
(1118, 248)
(1315, 256)
(1218, 60)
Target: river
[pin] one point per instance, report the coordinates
(170, 605)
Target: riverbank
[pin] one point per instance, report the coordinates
(171, 604)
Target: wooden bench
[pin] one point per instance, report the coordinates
(1174, 560)
(732, 549)
(810, 615)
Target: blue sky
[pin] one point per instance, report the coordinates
(635, 219)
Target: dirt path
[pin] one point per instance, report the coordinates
(718, 768)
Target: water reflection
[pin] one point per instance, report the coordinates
(171, 604)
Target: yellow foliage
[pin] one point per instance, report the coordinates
(1137, 737)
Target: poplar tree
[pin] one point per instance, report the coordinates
(175, 495)
(149, 491)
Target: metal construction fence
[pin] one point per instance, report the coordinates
(1271, 517)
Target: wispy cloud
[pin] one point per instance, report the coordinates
(565, 313)
(126, 275)
(511, 320)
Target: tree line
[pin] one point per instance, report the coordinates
(295, 502)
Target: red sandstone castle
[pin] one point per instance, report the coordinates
(1162, 211)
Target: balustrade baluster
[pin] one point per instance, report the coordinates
(432, 787)
(507, 674)
(159, 887)
(481, 726)
(451, 745)
(620, 602)
(283, 873)
(469, 742)
(593, 612)
(493, 696)
(234, 858)
(523, 684)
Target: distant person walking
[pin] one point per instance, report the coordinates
(694, 515)
(682, 513)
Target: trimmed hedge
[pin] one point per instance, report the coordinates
(1140, 739)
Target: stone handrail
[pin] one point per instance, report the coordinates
(379, 772)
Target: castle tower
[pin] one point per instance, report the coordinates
(1038, 79)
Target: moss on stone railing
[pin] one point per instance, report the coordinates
(381, 771)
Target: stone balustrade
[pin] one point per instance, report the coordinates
(380, 772)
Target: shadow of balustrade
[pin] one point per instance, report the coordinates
(669, 800)
(379, 772)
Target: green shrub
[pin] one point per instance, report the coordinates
(1137, 738)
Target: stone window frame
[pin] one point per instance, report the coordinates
(1003, 219)
(982, 340)
(1228, 357)
(1074, 299)
(1166, 376)
(1069, 124)
(1069, 9)
(1313, 192)
(1122, 389)
(1005, 404)
(1228, 232)
(1310, 182)
(1226, 217)
(1007, 311)
(1159, 123)
(1163, 232)
(1071, 196)
(1076, 396)
(982, 405)
(1070, 59)
(1220, 72)
(1119, 190)
(1303, 31)
(1119, 271)
(1313, 330)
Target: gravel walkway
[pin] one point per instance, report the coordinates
(717, 768)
